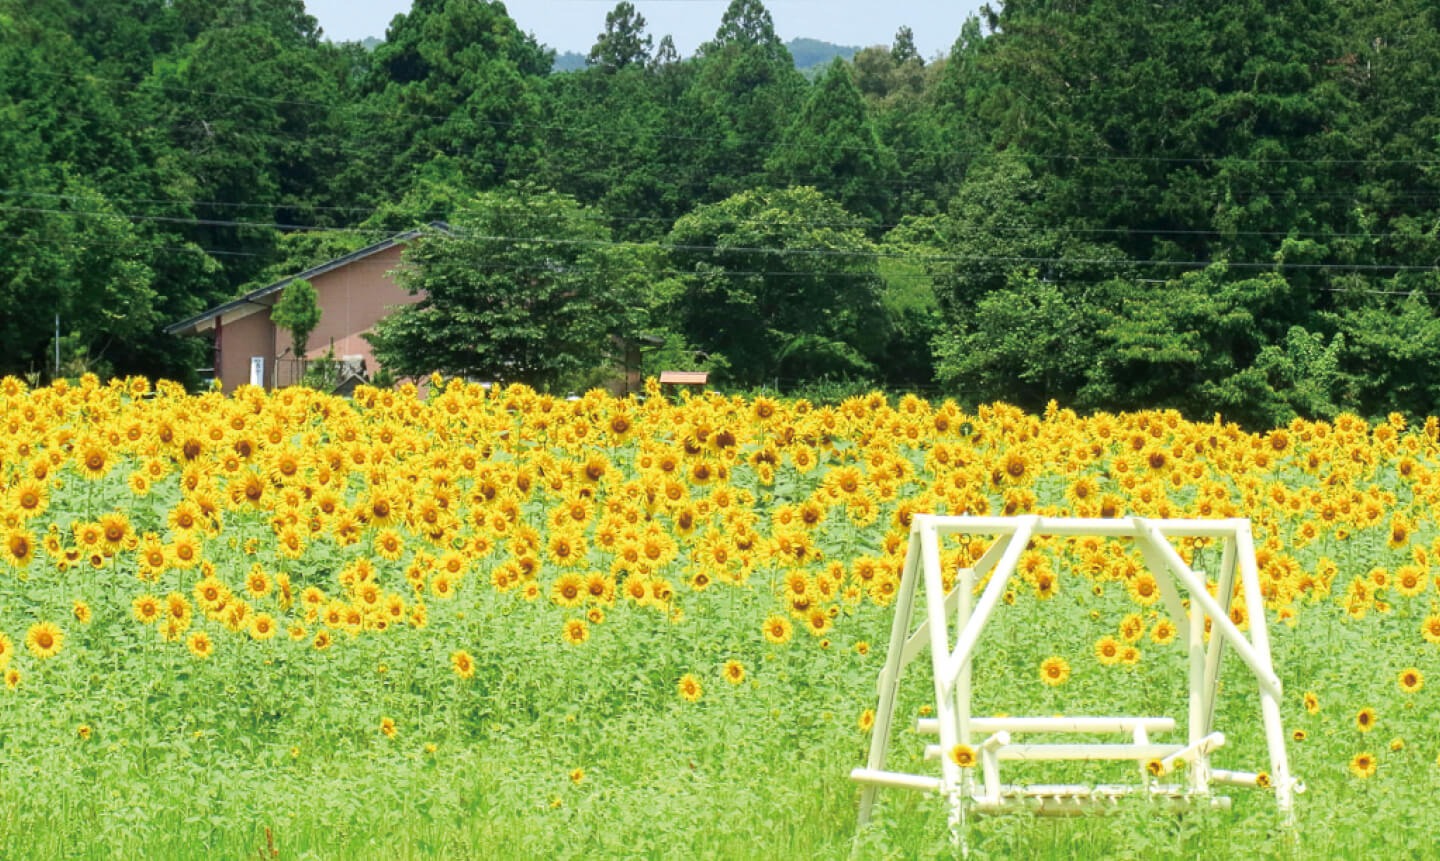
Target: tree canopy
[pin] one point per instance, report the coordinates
(526, 287)
(1113, 204)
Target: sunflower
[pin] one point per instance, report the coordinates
(387, 727)
(1132, 628)
(262, 626)
(115, 528)
(1365, 719)
(95, 461)
(1054, 671)
(177, 608)
(1411, 680)
(1362, 765)
(1410, 580)
(689, 688)
(378, 509)
(1312, 702)
(462, 663)
(31, 497)
(1144, 589)
(19, 547)
(7, 650)
(12, 678)
(257, 582)
(1400, 531)
(777, 630)
(153, 559)
(200, 645)
(1107, 650)
(963, 755)
(576, 632)
(600, 589)
(185, 552)
(81, 611)
(619, 425)
(44, 640)
(818, 622)
(867, 720)
(87, 535)
(734, 672)
(389, 545)
(1164, 631)
(184, 517)
(145, 608)
(594, 469)
(568, 590)
(443, 586)
(1430, 629)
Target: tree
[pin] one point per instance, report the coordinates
(454, 78)
(744, 91)
(666, 54)
(529, 288)
(298, 311)
(1025, 344)
(831, 145)
(903, 51)
(746, 23)
(774, 281)
(624, 42)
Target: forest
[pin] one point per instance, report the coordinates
(1218, 208)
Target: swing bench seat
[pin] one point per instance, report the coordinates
(1082, 799)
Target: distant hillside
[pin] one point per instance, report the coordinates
(372, 43)
(810, 53)
(568, 62)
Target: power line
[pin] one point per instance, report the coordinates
(750, 223)
(1009, 261)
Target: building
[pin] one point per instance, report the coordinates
(354, 292)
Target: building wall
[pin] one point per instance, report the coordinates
(252, 335)
(353, 298)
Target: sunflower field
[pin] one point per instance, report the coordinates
(466, 621)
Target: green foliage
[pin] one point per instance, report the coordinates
(454, 78)
(777, 283)
(528, 288)
(158, 157)
(323, 374)
(624, 42)
(1025, 343)
(831, 145)
(298, 311)
(745, 89)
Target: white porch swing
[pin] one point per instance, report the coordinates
(987, 742)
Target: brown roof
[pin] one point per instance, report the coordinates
(191, 326)
(685, 377)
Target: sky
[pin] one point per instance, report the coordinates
(572, 25)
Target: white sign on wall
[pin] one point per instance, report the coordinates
(257, 371)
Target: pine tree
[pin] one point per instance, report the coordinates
(624, 41)
(832, 146)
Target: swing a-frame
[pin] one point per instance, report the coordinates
(968, 744)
